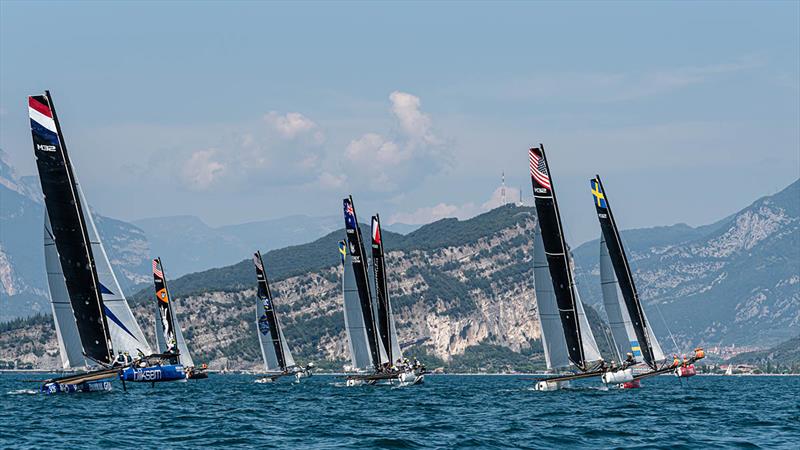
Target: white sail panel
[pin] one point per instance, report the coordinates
(396, 351)
(553, 341)
(658, 353)
(69, 341)
(590, 350)
(354, 320)
(265, 340)
(618, 318)
(126, 336)
(185, 356)
(287, 354)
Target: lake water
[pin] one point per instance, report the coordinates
(231, 411)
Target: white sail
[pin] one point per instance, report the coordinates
(185, 356)
(397, 352)
(590, 350)
(265, 340)
(658, 353)
(354, 319)
(618, 318)
(553, 341)
(287, 354)
(126, 336)
(69, 341)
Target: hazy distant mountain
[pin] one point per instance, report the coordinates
(187, 244)
(734, 281)
(23, 284)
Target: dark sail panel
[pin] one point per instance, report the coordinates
(623, 271)
(356, 244)
(381, 288)
(268, 322)
(69, 229)
(164, 302)
(555, 248)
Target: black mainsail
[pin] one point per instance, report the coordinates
(622, 269)
(166, 314)
(558, 261)
(360, 269)
(273, 344)
(69, 229)
(385, 317)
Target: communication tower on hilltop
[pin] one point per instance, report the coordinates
(503, 189)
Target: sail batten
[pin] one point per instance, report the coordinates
(642, 347)
(68, 229)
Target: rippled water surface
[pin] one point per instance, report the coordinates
(230, 411)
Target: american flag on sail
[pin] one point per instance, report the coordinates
(539, 168)
(157, 270)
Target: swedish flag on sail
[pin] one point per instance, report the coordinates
(599, 196)
(636, 349)
(342, 250)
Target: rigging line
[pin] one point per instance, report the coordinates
(674, 343)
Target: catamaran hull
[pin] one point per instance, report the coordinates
(399, 380)
(630, 385)
(618, 377)
(685, 371)
(549, 386)
(154, 374)
(87, 386)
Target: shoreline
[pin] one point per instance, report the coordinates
(521, 374)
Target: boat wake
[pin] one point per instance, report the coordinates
(22, 392)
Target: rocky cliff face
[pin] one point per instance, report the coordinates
(736, 281)
(473, 290)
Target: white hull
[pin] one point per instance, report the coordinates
(548, 386)
(618, 377)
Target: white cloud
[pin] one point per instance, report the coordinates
(294, 124)
(328, 180)
(283, 149)
(202, 169)
(388, 164)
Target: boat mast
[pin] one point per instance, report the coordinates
(557, 256)
(269, 315)
(64, 209)
(622, 270)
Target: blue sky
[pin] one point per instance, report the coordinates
(237, 112)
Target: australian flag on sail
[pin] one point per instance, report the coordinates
(349, 215)
(599, 196)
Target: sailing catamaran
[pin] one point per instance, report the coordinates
(632, 333)
(566, 335)
(91, 315)
(372, 338)
(278, 359)
(169, 364)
